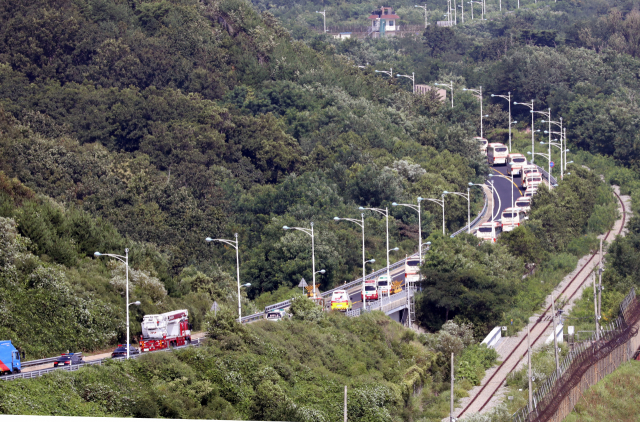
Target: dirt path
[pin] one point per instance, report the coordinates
(512, 350)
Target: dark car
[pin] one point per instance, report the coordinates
(67, 359)
(121, 351)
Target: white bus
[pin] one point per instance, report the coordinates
(524, 203)
(512, 218)
(530, 192)
(515, 163)
(489, 231)
(412, 270)
(384, 285)
(532, 180)
(528, 169)
(483, 145)
(497, 154)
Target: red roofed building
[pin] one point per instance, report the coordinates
(384, 20)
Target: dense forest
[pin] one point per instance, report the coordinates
(151, 125)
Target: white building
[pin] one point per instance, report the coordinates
(384, 20)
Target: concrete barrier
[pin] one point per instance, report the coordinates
(493, 338)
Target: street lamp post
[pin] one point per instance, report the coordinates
(324, 20)
(441, 203)
(462, 6)
(478, 94)
(468, 197)
(125, 260)
(508, 98)
(450, 86)
(426, 22)
(313, 251)
(531, 107)
(412, 77)
(547, 156)
(548, 115)
(361, 224)
(390, 72)
(415, 208)
(384, 212)
(561, 133)
(234, 244)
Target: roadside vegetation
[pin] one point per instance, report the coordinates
(289, 370)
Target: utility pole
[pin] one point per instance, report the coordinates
(595, 306)
(345, 403)
(451, 418)
(555, 337)
(600, 284)
(529, 369)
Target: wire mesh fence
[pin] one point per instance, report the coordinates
(586, 364)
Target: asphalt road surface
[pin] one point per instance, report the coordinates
(503, 190)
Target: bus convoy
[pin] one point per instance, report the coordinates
(531, 178)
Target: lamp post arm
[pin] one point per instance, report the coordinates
(233, 243)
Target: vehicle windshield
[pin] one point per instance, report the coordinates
(522, 203)
(370, 288)
(501, 149)
(485, 229)
(507, 215)
(382, 283)
(413, 263)
(519, 160)
(273, 315)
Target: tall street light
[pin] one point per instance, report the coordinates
(361, 224)
(426, 22)
(234, 244)
(468, 197)
(390, 72)
(324, 19)
(559, 124)
(548, 157)
(559, 146)
(125, 260)
(415, 208)
(450, 86)
(508, 98)
(384, 212)
(478, 95)
(412, 77)
(313, 251)
(547, 114)
(462, 6)
(532, 141)
(441, 203)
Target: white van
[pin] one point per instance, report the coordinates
(524, 203)
(497, 154)
(489, 231)
(515, 163)
(530, 192)
(512, 218)
(384, 285)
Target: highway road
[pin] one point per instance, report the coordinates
(503, 189)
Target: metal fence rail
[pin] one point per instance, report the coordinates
(586, 363)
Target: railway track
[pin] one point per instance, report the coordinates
(497, 379)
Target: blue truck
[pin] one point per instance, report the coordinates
(9, 358)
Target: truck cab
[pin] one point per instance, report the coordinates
(9, 358)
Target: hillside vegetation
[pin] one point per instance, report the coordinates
(288, 370)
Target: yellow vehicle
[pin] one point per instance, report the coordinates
(341, 301)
